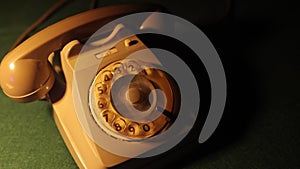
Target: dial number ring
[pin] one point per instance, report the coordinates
(106, 114)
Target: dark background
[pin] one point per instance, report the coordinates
(258, 43)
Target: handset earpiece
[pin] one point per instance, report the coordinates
(25, 73)
(26, 80)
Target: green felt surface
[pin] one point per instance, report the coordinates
(268, 40)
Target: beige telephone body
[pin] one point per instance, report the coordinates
(27, 75)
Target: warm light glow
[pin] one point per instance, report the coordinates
(11, 66)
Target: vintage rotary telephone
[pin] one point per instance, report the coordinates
(119, 83)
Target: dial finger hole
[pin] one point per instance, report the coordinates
(118, 68)
(108, 116)
(133, 129)
(106, 76)
(119, 124)
(102, 103)
(147, 71)
(148, 128)
(101, 88)
(133, 66)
